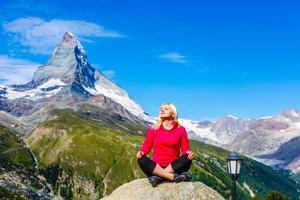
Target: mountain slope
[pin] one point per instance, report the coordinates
(89, 151)
(13, 151)
(287, 155)
(89, 158)
(17, 170)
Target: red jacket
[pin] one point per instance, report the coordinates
(166, 143)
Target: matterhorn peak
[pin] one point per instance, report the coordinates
(69, 39)
(68, 63)
(68, 36)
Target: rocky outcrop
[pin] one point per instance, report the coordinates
(140, 189)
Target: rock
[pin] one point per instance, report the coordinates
(140, 189)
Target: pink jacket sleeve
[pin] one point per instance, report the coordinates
(184, 142)
(148, 143)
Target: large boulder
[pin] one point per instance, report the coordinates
(140, 189)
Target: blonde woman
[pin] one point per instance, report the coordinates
(167, 137)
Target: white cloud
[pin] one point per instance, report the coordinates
(41, 36)
(109, 74)
(16, 71)
(174, 57)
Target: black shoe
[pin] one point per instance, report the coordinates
(154, 180)
(184, 176)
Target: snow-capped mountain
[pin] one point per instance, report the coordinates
(220, 132)
(68, 79)
(200, 131)
(237, 133)
(260, 138)
(265, 136)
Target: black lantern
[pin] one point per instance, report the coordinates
(234, 167)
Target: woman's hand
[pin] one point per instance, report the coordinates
(139, 154)
(190, 155)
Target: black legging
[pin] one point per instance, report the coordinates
(181, 164)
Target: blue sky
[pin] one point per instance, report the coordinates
(209, 58)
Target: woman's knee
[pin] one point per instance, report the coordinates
(185, 158)
(182, 164)
(144, 160)
(147, 165)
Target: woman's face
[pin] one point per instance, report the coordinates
(165, 111)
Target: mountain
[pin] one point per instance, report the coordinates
(68, 80)
(221, 132)
(258, 138)
(270, 136)
(266, 135)
(229, 127)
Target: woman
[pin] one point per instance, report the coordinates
(167, 137)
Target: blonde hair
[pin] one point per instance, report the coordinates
(174, 115)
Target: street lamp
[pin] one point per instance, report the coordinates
(233, 167)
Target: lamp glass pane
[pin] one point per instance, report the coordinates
(238, 167)
(228, 167)
(233, 167)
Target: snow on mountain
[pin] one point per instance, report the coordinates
(47, 89)
(108, 88)
(203, 132)
(297, 125)
(266, 117)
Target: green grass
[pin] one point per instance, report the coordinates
(13, 152)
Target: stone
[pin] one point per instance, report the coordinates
(140, 189)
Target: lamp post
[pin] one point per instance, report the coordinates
(233, 167)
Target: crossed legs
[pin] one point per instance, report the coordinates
(150, 167)
(164, 172)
